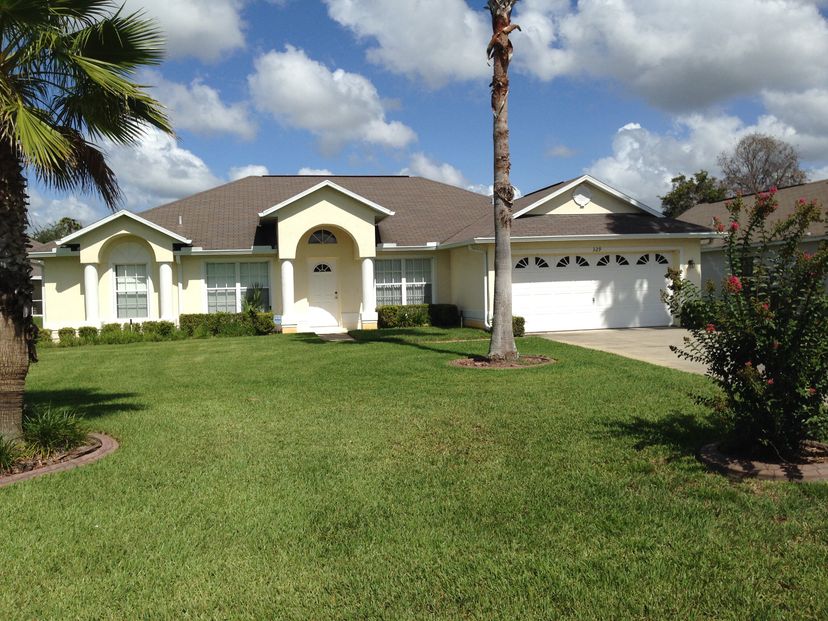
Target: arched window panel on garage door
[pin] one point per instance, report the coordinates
(643, 260)
(522, 264)
(541, 263)
(661, 259)
(563, 262)
(581, 262)
(621, 260)
(603, 261)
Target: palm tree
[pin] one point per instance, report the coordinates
(502, 346)
(65, 69)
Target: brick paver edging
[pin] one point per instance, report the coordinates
(747, 468)
(108, 445)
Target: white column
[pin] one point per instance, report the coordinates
(369, 295)
(165, 276)
(288, 297)
(90, 293)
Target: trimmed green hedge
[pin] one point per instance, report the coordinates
(519, 326)
(418, 315)
(227, 324)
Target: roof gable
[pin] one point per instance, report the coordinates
(115, 216)
(327, 183)
(575, 196)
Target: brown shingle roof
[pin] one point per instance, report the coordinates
(537, 195)
(704, 213)
(227, 217)
(581, 225)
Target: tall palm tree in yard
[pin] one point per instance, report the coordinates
(502, 346)
(65, 82)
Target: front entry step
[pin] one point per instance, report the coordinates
(336, 337)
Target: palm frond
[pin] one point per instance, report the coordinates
(42, 145)
(85, 169)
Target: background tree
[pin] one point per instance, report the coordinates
(759, 163)
(65, 72)
(56, 230)
(686, 193)
(502, 346)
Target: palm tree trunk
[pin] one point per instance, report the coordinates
(17, 331)
(502, 345)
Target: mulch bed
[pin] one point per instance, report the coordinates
(811, 465)
(480, 362)
(97, 446)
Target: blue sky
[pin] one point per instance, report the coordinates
(631, 91)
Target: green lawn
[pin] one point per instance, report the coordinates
(286, 478)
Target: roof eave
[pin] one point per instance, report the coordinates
(123, 213)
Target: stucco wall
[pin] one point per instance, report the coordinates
(62, 293)
(468, 283)
(326, 208)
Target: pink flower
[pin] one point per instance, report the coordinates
(718, 224)
(749, 363)
(812, 391)
(773, 190)
(710, 328)
(765, 306)
(734, 226)
(770, 382)
(807, 256)
(777, 344)
(734, 285)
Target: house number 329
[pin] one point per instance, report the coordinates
(597, 249)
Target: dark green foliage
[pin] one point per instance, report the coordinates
(44, 337)
(56, 230)
(227, 324)
(50, 430)
(67, 337)
(764, 333)
(158, 330)
(9, 453)
(687, 193)
(519, 326)
(418, 315)
(88, 334)
(132, 327)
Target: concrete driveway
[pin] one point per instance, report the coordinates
(648, 344)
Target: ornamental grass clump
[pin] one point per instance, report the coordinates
(763, 331)
(53, 430)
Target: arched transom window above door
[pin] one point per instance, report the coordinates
(322, 268)
(322, 236)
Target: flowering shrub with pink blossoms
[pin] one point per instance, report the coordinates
(763, 331)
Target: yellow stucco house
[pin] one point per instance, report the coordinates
(324, 252)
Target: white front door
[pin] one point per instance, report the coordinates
(323, 294)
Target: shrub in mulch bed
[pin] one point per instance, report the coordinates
(481, 362)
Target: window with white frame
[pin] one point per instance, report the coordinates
(230, 283)
(131, 291)
(253, 278)
(37, 297)
(403, 281)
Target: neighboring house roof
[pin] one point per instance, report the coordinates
(787, 198)
(36, 246)
(37, 271)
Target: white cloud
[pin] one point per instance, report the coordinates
(320, 172)
(560, 151)
(204, 29)
(43, 210)
(643, 162)
(250, 170)
(199, 108)
(423, 166)
(337, 107)
(679, 55)
(157, 170)
(437, 41)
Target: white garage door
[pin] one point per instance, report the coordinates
(590, 291)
